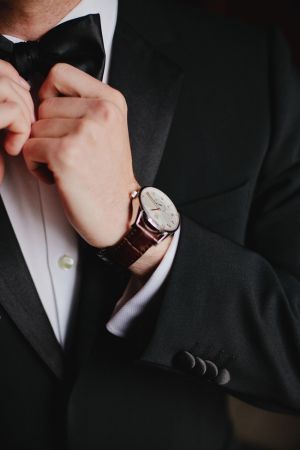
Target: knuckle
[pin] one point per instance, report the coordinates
(97, 107)
(57, 69)
(106, 110)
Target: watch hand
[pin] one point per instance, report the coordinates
(156, 209)
(152, 200)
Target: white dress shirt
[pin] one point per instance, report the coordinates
(47, 240)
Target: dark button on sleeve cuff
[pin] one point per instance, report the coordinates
(212, 370)
(184, 361)
(223, 377)
(200, 367)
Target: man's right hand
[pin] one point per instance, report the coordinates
(16, 112)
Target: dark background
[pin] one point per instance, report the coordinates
(283, 13)
(257, 428)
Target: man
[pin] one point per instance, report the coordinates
(119, 328)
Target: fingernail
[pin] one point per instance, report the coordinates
(24, 83)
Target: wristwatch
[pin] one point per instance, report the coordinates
(157, 218)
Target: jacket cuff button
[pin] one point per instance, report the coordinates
(200, 367)
(212, 370)
(223, 378)
(184, 360)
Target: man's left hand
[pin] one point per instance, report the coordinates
(81, 137)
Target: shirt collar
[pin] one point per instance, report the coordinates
(107, 9)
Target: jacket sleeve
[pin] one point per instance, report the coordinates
(239, 306)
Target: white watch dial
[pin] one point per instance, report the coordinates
(160, 210)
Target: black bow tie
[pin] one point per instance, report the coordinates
(78, 42)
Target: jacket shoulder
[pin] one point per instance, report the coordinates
(192, 26)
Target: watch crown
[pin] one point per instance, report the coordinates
(134, 194)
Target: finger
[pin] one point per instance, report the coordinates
(73, 108)
(64, 108)
(38, 154)
(72, 82)
(38, 150)
(26, 100)
(11, 91)
(68, 108)
(54, 128)
(6, 69)
(12, 118)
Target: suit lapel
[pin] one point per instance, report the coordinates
(20, 300)
(150, 83)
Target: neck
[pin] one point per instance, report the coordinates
(30, 19)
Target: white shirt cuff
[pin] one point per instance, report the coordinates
(126, 310)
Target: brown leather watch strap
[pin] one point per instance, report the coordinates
(131, 247)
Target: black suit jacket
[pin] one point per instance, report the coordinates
(214, 117)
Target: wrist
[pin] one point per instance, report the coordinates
(154, 220)
(122, 217)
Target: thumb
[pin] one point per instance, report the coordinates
(69, 81)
